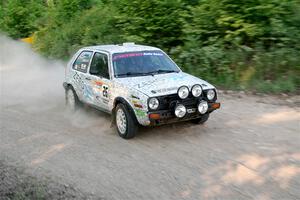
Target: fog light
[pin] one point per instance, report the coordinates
(180, 111)
(203, 107)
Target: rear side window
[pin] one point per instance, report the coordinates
(82, 62)
(99, 65)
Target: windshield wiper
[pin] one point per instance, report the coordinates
(132, 74)
(163, 71)
(146, 73)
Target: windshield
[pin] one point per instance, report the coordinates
(142, 63)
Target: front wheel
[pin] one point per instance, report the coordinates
(201, 120)
(126, 126)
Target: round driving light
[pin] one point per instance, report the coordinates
(203, 107)
(211, 94)
(180, 111)
(183, 92)
(153, 103)
(196, 90)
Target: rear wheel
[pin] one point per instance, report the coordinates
(126, 126)
(201, 120)
(72, 100)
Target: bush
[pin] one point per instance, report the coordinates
(18, 18)
(237, 44)
(87, 27)
(154, 22)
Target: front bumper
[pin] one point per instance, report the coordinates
(168, 116)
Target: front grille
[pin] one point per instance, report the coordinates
(168, 102)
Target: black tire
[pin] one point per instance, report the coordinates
(201, 120)
(131, 125)
(70, 90)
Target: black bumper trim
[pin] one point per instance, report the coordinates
(168, 116)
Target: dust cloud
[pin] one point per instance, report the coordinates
(33, 84)
(28, 79)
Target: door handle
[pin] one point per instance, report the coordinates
(88, 78)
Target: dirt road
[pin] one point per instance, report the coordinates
(249, 149)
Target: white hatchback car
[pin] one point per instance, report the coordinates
(138, 85)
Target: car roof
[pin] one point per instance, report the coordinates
(120, 48)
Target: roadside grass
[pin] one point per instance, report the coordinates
(29, 190)
(279, 86)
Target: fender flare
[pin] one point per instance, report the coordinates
(128, 106)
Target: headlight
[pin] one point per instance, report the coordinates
(211, 94)
(203, 107)
(153, 103)
(183, 92)
(180, 111)
(196, 90)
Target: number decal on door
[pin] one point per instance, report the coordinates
(105, 91)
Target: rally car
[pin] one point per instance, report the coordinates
(138, 85)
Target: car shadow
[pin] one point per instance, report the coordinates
(177, 129)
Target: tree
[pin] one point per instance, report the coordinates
(19, 17)
(153, 22)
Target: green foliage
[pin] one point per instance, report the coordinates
(235, 23)
(240, 43)
(92, 26)
(249, 44)
(18, 17)
(155, 22)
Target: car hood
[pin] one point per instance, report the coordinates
(162, 84)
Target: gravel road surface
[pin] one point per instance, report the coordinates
(249, 149)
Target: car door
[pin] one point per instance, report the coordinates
(79, 72)
(98, 80)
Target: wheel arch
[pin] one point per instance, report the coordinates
(127, 105)
(70, 86)
(67, 85)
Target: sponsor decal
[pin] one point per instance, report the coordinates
(164, 90)
(135, 97)
(78, 81)
(135, 101)
(98, 83)
(140, 113)
(105, 101)
(177, 78)
(146, 83)
(88, 92)
(138, 105)
(153, 54)
(127, 55)
(83, 66)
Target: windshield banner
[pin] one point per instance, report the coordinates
(126, 55)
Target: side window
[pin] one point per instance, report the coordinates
(99, 65)
(82, 62)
